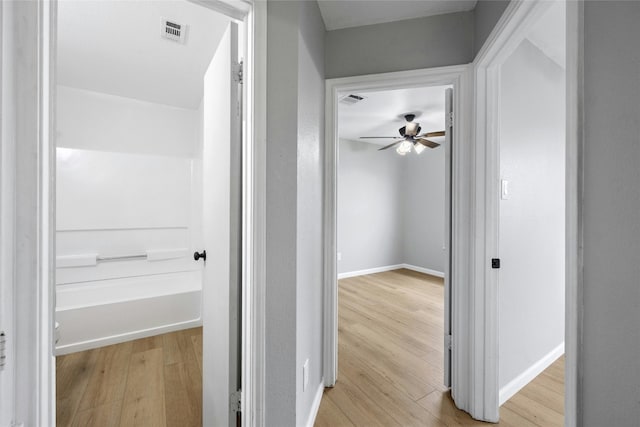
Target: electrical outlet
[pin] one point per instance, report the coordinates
(339, 256)
(305, 375)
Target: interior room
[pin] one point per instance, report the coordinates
(131, 102)
(391, 204)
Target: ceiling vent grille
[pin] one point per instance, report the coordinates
(351, 99)
(173, 30)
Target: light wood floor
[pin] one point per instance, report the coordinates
(151, 382)
(390, 361)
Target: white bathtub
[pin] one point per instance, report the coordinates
(98, 313)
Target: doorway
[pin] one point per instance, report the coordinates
(545, 36)
(454, 77)
(393, 237)
(149, 183)
(28, 190)
(531, 222)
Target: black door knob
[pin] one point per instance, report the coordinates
(202, 255)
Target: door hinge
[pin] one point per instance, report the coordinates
(3, 350)
(448, 342)
(495, 262)
(450, 119)
(236, 401)
(238, 73)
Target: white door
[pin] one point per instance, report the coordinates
(222, 212)
(448, 153)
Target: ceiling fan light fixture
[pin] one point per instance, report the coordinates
(404, 148)
(412, 129)
(419, 148)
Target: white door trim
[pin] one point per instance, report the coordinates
(459, 78)
(34, 173)
(510, 30)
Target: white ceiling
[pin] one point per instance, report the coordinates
(381, 113)
(354, 13)
(115, 47)
(548, 33)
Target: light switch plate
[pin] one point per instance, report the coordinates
(504, 189)
(305, 375)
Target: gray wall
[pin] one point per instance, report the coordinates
(295, 103)
(412, 44)
(434, 41)
(281, 213)
(611, 208)
(390, 208)
(485, 17)
(532, 219)
(423, 190)
(369, 207)
(310, 206)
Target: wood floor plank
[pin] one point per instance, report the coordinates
(143, 402)
(360, 409)
(72, 376)
(534, 411)
(109, 377)
(143, 412)
(148, 343)
(172, 349)
(183, 381)
(196, 341)
(183, 404)
(330, 415)
(106, 415)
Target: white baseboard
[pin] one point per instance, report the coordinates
(519, 382)
(423, 270)
(129, 336)
(316, 405)
(369, 271)
(390, 268)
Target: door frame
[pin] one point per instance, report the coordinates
(459, 77)
(510, 30)
(28, 187)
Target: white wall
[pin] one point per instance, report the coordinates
(98, 121)
(532, 220)
(390, 208)
(128, 182)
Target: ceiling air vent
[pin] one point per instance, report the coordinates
(173, 30)
(351, 99)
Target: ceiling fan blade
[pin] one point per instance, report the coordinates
(390, 145)
(427, 143)
(433, 134)
(379, 137)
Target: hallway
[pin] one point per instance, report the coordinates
(390, 361)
